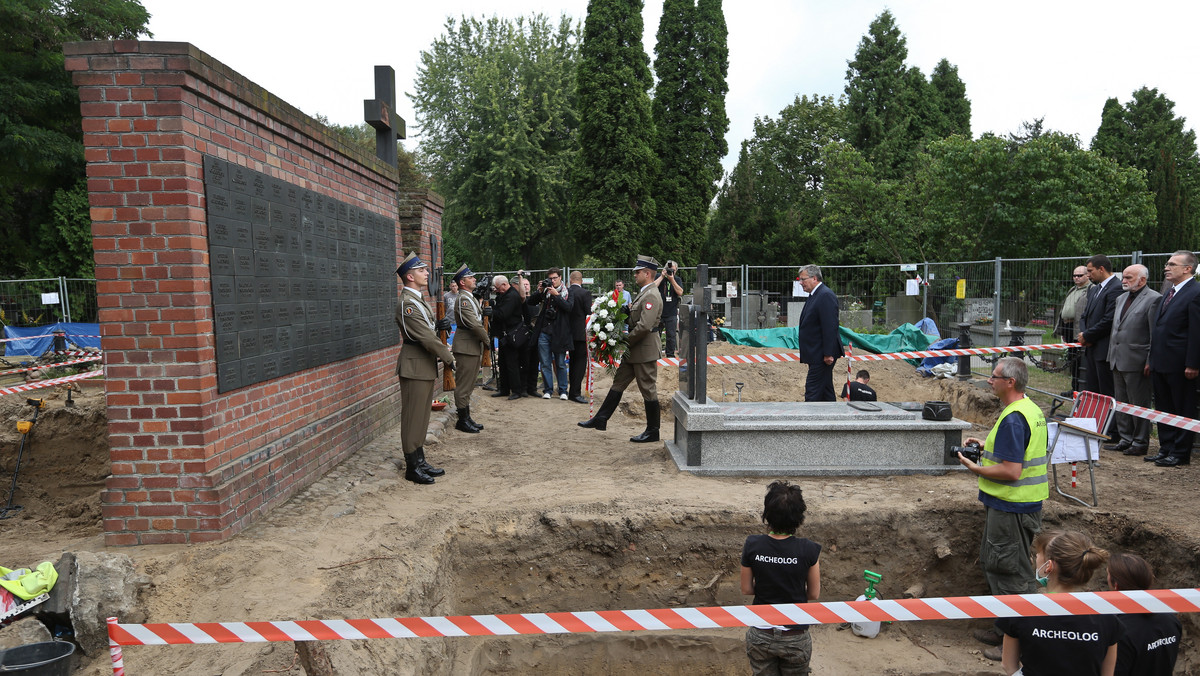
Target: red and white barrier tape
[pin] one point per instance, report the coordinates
(48, 335)
(75, 353)
(114, 650)
(50, 366)
(586, 622)
(783, 357)
(49, 383)
(1171, 419)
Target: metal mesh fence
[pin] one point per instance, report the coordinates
(35, 302)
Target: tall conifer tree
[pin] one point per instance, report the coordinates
(612, 202)
(692, 61)
(950, 98)
(878, 97)
(1145, 133)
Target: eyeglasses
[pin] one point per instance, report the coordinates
(1077, 276)
(996, 377)
(1176, 265)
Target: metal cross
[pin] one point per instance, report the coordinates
(380, 113)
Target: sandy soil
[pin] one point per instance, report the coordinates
(537, 514)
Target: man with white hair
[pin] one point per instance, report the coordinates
(1129, 356)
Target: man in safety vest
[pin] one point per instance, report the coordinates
(1012, 486)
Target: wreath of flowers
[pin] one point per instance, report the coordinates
(606, 341)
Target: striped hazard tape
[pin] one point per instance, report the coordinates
(49, 383)
(94, 357)
(1158, 416)
(663, 619)
(784, 357)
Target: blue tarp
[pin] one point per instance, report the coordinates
(36, 347)
(927, 364)
(905, 338)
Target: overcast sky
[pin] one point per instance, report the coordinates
(1020, 60)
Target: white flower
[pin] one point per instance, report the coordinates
(602, 313)
(612, 341)
(609, 326)
(611, 302)
(602, 335)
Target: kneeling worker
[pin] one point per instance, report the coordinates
(640, 360)
(417, 367)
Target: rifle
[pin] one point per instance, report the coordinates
(435, 288)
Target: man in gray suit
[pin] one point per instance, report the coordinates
(1129, 356)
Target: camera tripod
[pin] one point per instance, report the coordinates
(24, 427)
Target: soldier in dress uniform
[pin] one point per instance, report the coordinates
(470, 342)
(417, 367)
(640, 360)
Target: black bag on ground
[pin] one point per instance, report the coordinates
(937, 410)
(519, 337)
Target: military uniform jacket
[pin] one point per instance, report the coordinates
(421, 350)
(469, 337)
(644, 313)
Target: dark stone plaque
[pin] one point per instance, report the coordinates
(286, 365)
(278, 215)
(243, 235)
(263, 263)
(250, 371)
(216, 172)
(258, 185)
(291, 195)
(291, 218)
(243, 261)
(295, 265)
(218, 203)
(247, 290)
(266, 338)
(283, 313)
(278, 190)
(248, 343)
(239, 179)
(229, 376)
(220, 231)
(266, 315)
(307, 200)
(225, 320)
(223, 290)
(283, 339)
(260, 211)
(227, 347)
(220, 261)
(279, 264)
(242, 206)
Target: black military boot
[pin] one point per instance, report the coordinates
(413, 471)
(652, 420)
(463, 425)
(425, 466)
(472, 422)
(600, 420)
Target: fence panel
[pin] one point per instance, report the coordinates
(23, 302)
(81, 299)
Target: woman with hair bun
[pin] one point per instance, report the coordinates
(1081, 645)
(1150, 645)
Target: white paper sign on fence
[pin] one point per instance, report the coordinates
(1073, 447)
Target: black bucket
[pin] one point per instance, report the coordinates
(50, 658)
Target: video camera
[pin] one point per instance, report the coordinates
(483, 288)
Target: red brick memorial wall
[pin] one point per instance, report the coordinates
(245, 266)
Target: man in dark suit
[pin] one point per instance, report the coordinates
(1097, 323)
(1129, 355)
(581, 306)
(820, 346)
(1175, 358)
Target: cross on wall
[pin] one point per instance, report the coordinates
(380, 113)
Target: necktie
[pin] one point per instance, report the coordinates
(1170, 295)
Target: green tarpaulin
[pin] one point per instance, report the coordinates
(906, 338)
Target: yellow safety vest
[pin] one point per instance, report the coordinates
(1032, 486)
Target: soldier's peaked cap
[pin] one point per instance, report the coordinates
(410, 262)
(646, 262)
(463, 271)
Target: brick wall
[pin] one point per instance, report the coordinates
(189, 464)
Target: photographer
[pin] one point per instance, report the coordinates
(1012, 486)
(671, 290)
(553, 331)
(506, 320)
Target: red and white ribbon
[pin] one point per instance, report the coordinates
(114, 650)
(49, 383)
(95, 357)
(1171, 419)
(663, 619)
(9, 340)
(783, 357)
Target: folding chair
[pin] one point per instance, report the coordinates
(1092, 406)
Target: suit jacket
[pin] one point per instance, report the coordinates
(469, 337)
(644, 313)
(422, 349)
(1175, 341)
(1129, 345)
(819, 327)
(1097, 315)
(581, 306)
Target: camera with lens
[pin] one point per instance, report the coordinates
(971, 451)
(545, 283)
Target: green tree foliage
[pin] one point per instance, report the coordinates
(692, 60)
(1043, 196)
(866, 218)
(44, 220)
(612, 206)
(770, 205)
(1145, 133)
(950, 101)
(496, 105)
